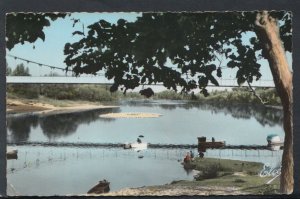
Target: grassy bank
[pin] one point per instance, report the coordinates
(244, 184)
(232, 177)
(225, 165)
(231, 173)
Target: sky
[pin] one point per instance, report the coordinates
(59, 33)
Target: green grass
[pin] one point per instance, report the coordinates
(233, 173)
(249, 183)
(226, 165)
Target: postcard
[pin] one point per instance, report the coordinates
(149, 103)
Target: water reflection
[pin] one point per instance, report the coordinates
(20, 127)
(63, 125)
(264, 115)
(168, 106)
(53, 126)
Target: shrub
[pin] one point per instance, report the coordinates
(28, 91)
(208, 172)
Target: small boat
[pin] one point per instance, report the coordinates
(142, 145)
(11, 153)
(274, 139)
(101, 187)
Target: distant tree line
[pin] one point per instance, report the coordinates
(236, 95)
(102, 93)
(244, 95)
(20, 70)
(21, 90)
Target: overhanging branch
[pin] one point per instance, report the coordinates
(255, 94)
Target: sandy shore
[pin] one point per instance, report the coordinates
(174, 190)
(30, 106)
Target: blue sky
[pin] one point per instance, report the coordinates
(60, 32)
(57, 35)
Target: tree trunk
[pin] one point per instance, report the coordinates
(268, 33)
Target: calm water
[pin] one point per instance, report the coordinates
(71, 170)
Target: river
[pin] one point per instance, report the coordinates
(61, 170)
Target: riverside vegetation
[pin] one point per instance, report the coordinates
(100, 93)
(232, 173)
(215, 176)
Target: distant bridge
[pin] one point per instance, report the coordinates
(104, 81)
(100, 79)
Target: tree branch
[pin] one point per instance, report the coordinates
(257, 21)
(261, 18)
(255, 94)
(220, 60)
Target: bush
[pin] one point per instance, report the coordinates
(242, 95)
(208, 172)
(77, 92)
(28, 91)
(172, 95)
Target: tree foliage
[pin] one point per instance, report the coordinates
(27, 27)
(20, 70)
(135, 53)
(140, 52)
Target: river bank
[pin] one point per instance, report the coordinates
(192, 188)
(48, 106)
(175, 190)
(230, 177)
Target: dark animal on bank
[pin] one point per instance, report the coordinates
(148, 92)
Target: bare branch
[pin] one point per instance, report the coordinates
(217, 57)
(255, 94)
(258, 20)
